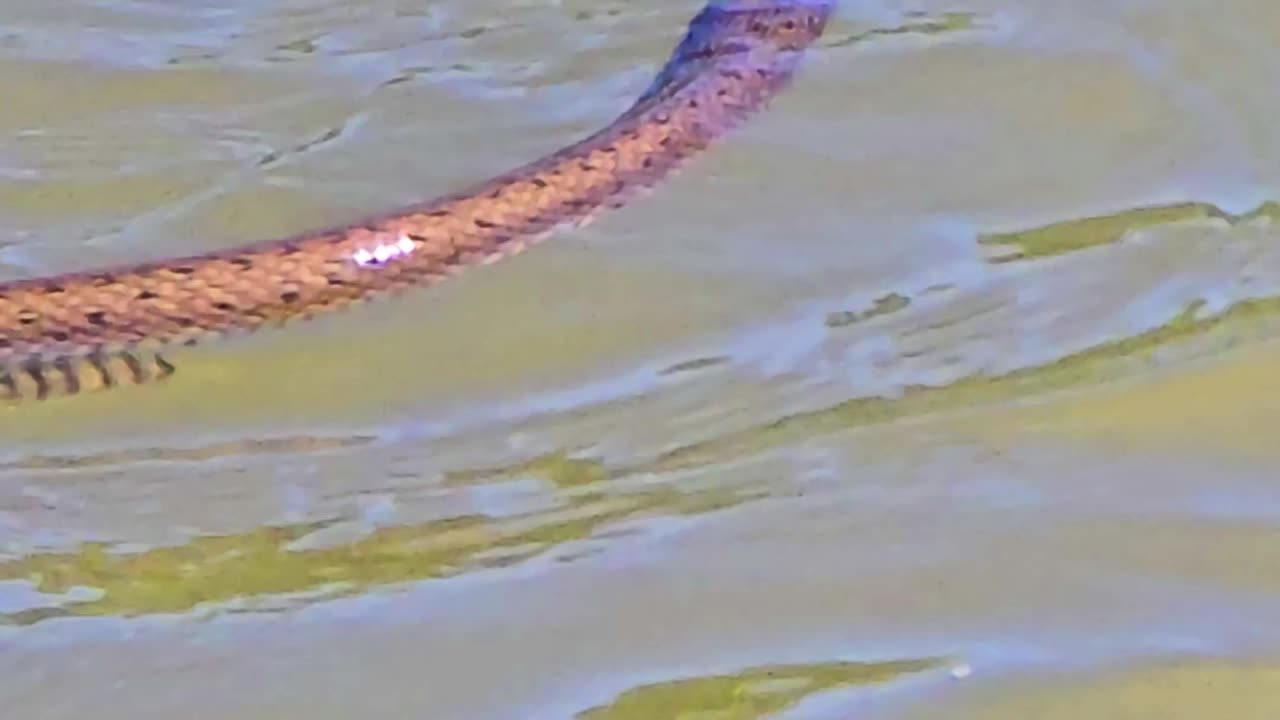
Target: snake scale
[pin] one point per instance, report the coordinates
(69, 333)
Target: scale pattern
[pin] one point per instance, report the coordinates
(74, 332)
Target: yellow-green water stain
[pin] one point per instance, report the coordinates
(264, 563)
(556, 468)
(883, 305)
(919, 23)
(1099, 363)
(1079, 234)
(752, 694)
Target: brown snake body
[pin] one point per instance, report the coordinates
(68, 333)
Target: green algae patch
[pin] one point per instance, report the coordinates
(1097, 364)
(884, 305)
(264, 567)
(752, 694)
(1072, 235)
(695, 364)
(556, 468)
(917, 23)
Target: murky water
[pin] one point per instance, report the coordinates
(942, 390)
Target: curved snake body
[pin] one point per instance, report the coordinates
(68, 333)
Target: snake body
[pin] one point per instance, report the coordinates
(68, 333)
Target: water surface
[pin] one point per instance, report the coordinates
(941, 390)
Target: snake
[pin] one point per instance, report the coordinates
(70, 333)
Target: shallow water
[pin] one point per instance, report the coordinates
(941, 390)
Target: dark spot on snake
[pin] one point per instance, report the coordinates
(439, 213)
(182, 270)
(166, 368)
(585, 166)
(27, 318)
(147, 295)
(243, 262)
(103, 279)
(484, 224)
(98, 363)
(59, 335)
(53, 288)
(183, 321)
(693, 103)
(789, 25)
(224, 306)
(96, 317)
(289, 248)
(335, 281)
(289, 296)
(647, 163)
(11, 387)
(539, 182)
(5, 343)
(35, 370)
(70, 378)
(135, 367)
